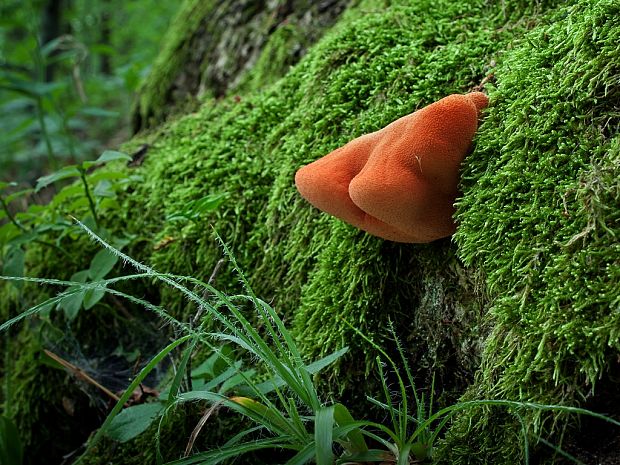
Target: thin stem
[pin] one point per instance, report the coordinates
(13, 220)
(22, 228)
(91, 203)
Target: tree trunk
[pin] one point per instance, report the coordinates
(50, 29)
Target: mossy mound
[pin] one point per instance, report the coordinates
(526, 297)
(540, 216)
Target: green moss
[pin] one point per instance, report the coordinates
(539, 217)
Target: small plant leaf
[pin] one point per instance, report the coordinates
(312, 368)
(91, 297)
(236, 380)
(101, 264)
(104, 189)
(106, 176)
(14, 262)
(11, 449)
(129, 391)
(14, 265)
(68, 191)
(133, 421)
(355, 438)
(194, 209)
(23, 238)
(371, 455)
(17, 195)
(4, 185)
(70, 171)
(213, 365)
(111, 155)
(72, 304)
(181, 369)
(260, 413)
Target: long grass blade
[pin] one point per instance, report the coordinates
(562, 452)
(180, 374)
(304, 456)
(323, 435)
(217, 456)
(313, 368)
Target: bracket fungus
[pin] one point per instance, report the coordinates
(399, 183)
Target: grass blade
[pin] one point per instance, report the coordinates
(323, 435)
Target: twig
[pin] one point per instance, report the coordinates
(199, 426)
(81, 374)
(12, 219)
(118, 304)
(487, 78)
(91, 202)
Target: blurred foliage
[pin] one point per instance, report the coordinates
(67, 99)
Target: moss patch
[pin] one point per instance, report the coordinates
(537, 241)
(539, 216)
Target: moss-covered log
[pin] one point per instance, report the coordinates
(524, 302)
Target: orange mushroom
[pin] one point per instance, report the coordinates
(399, 183)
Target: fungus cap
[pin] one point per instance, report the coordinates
(400, 182)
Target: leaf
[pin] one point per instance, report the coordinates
(51, 46)
(68, 191)
(323, 435)
(72, 304)
(194, 209)
(11, 449)
(17, 195)
(8, 232)
(261, 413)
(129, 391)
(32, 89)
(91, 297)
(236, 380)
(4, 185)
(313, 368)
(214, 365)
(101, 264)
(355, 438)
(372, 455)
(23, 238)
(70, 171)
(181, 369)
(101, 175)
(104, 189)
(14, 263)
(78, 204)
(111, 155)
(133, 421)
